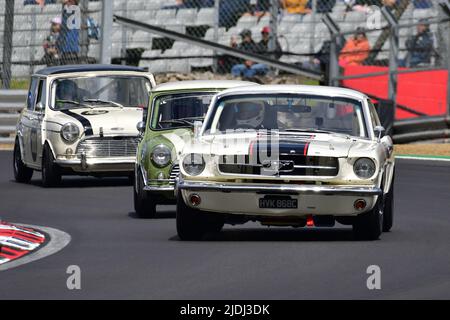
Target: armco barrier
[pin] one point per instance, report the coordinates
(11, 103)
(405, 131)
(421, 129)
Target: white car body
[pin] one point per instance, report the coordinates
(108, 134)
(335, 195)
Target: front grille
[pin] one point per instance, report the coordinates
(174, 173)
(108, 147)
(286, 165)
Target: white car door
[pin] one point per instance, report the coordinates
(28, 121)
(36, 126)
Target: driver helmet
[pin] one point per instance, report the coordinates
(249, 114)
(67, 90)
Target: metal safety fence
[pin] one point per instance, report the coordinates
(33, 36)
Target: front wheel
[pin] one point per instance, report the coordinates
(368, 226)
(388, 214)
(144, 206)
(22, 173)
(193, 224)
(51, 175)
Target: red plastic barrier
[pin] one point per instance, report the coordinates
(425, 92)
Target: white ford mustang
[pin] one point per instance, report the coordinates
(288, 156)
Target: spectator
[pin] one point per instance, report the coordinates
(321, 60)
(51, 51)
(364, 5)
(420, 46)
(264, 44)
(258, 8)
(231, 11)
(325, 6)
(198, 3)
(295, 6)
(39, 2)
(248, 68)
(68, 40)
(356, 49)
(178, 4)
(390, 3)
(422, 4)
(226, 62)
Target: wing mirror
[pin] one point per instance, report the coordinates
(40, 108)
(380, 131)
(141, 128)
(197, 128)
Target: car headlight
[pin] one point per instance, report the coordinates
(161, 156)
(364, 168)
(194, 164)
(70, 132)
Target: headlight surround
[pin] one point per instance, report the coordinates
(161, 156)
(194, 164)
(70, 132)
(364, 168)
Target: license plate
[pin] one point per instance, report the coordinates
(271, 202)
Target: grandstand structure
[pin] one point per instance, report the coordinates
(220, 21)
(300, 36)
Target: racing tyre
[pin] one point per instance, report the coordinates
(22, 174)
(368, 226)
(144, 205)
(388, 213)
(51, 175)
(192, 224)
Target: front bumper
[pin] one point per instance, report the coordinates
(98, 164)
(235, 198)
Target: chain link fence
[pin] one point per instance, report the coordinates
(41, 36)
(289, 31)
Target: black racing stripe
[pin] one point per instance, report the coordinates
(84, 121)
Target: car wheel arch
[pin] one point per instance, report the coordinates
(50, 146)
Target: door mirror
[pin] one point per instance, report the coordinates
(141, 127)
(197, 128)
(380, 131)
(40, 108)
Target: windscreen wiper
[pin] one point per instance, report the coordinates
(309, 130)
(77, 103)
(104, 102)
(177, 121)
(186, 121)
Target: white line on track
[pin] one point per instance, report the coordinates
(58, 241)
(422, 158)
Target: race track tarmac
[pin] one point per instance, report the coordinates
(122, 257)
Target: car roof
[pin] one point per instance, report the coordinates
(296, 89)
(201, 84)
(86, 68)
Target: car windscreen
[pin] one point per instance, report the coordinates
(115, 91)
(287, 112)
(179, 109)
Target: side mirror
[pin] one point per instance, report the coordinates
(141, 127)
(197, 128)
(379, 132)
(39, 107)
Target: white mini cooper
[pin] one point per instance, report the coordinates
(288, 156)
(82, 120)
